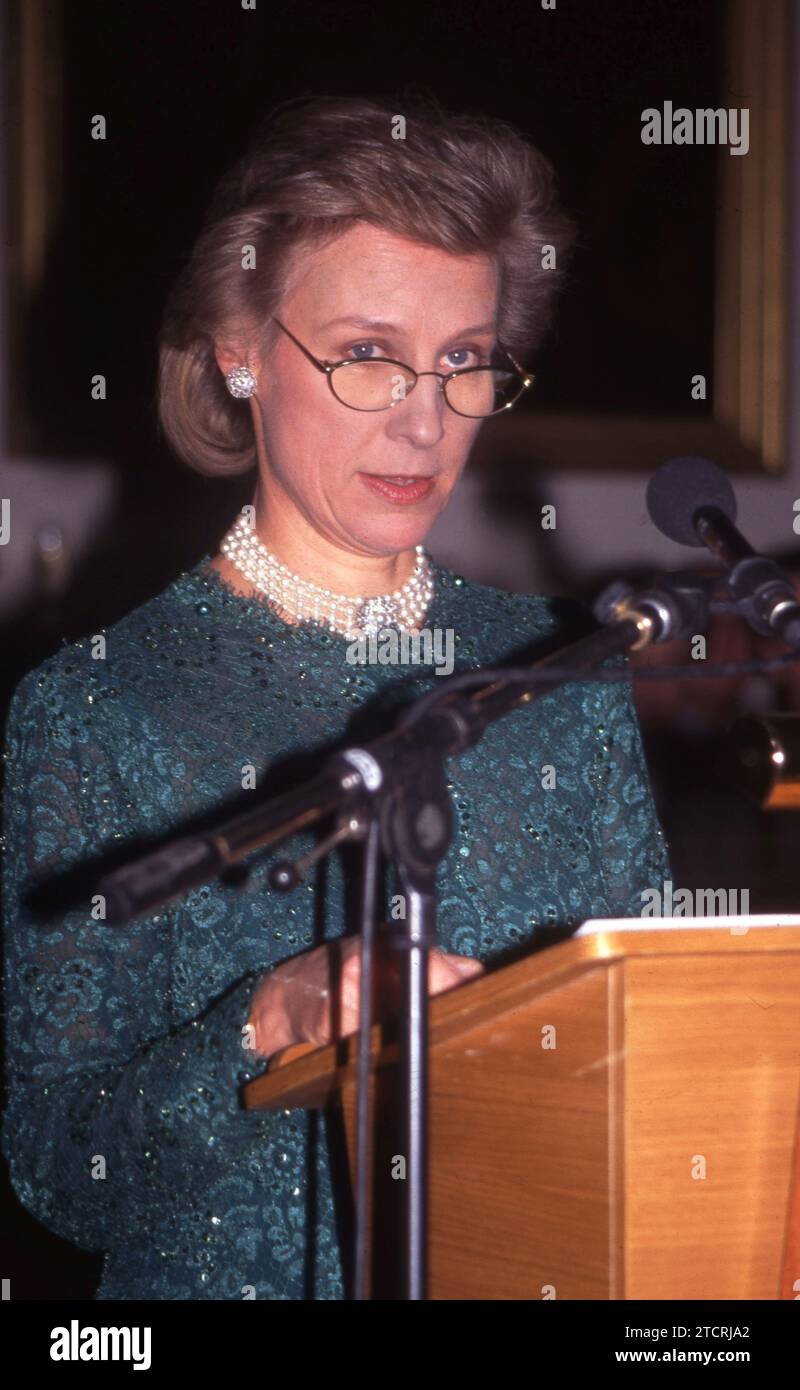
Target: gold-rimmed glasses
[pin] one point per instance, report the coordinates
(378, 383)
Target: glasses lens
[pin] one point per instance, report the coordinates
(483, 391)
(371, 385)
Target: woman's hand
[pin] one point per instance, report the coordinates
(292, 1003)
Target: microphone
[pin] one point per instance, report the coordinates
(692, 502)
(683, 491)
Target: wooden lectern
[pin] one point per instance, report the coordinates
(612, 1117)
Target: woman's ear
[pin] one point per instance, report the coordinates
(233, 353)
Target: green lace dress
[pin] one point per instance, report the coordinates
(124, 1129)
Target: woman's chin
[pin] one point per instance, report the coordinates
(391, 531)
(390, 537)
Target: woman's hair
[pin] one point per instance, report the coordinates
(462, 182)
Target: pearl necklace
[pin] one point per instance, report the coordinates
(405, 608)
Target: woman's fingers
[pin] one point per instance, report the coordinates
(444, 972)
(447, 971)
(315, 997)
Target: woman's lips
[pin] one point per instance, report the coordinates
(396, 491)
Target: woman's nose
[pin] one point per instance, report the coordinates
(421, 411)
(429, 393)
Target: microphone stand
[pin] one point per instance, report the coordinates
(393, 793)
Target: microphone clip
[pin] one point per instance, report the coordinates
(761, 590)
(678, 604)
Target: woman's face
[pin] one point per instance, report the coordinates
(437, 312)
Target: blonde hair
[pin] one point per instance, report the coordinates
(462, 182)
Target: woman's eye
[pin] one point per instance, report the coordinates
(463, 355)
(364, 357)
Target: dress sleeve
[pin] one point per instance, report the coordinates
(633, 848)
(111, 1113)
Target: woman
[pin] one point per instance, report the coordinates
(331, 242)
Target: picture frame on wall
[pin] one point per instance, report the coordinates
(704, 297)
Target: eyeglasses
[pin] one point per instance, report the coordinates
(378, 383)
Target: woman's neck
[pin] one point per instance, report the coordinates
(344, 580)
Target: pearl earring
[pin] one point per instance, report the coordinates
(240, 382)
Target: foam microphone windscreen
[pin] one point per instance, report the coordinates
(677, 491)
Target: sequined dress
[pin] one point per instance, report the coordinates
(124, 1129)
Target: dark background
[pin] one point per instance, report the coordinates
(181, 85)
